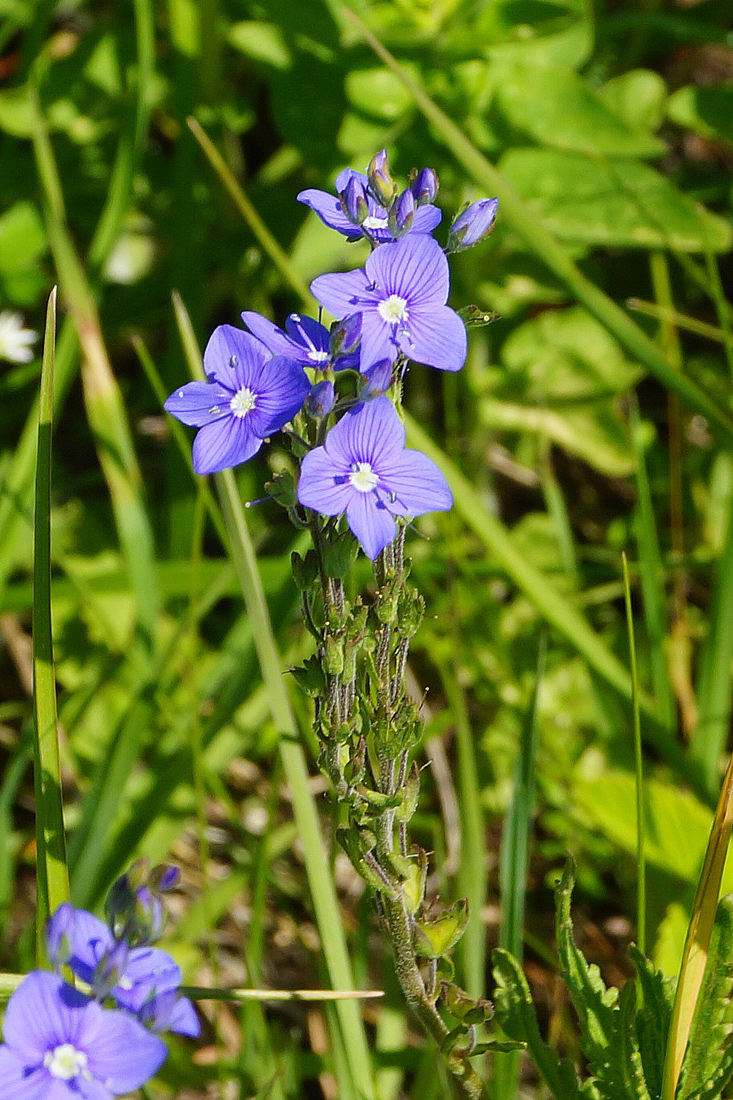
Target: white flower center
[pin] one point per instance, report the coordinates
(373, 221)
(243, 402)
(362, 477)
(393, 309)
(319, 356)
(66, 1062)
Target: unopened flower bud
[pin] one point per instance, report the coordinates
(320, 400)
(424, 186)
(346, 335)
(110, 969)
(353, 200)
(402, 214)
(377, 378)
(381, 184)
(472, 225)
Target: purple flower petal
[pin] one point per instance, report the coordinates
(42, 1013)
(378, 341)
(370, 433)
(416, 485)
(370, 521)
(267, 333)
(183, 1019)
(224, 444)
(121, 1052)
(426, 219)
(149, 970)
(328, 209)
(344, 293)
(233, 357)
(199, 403)
(324, 484)
(415, 268)
(282, 387)
(437, 337)
(20, 1084)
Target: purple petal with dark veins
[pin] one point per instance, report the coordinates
(199, 403)
(224, 444)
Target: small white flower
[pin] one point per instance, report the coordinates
(15, 341)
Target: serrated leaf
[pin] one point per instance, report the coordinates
(516, 1013)
(708, 1063)
(652, 1019)
(611, 202)
(556, 107)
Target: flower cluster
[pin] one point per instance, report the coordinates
(328, 388)
(62, 1044)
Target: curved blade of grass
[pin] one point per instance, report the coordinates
(360, 1083)
(697, 942)
(517, 215)
(52, 873)
(103, 401)
(640, 815)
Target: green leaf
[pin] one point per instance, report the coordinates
(516, 1013)
(436, 938)
(638, 97)
(378, 92)
(708, 1063)
(554, 106)
(618, 203)
(22, 243)
(261, 42)
(707, 111)
(652, 1018)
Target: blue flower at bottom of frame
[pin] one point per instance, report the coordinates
(249, 396)
(62, 1045)
(364, 470)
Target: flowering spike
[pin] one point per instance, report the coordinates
(402, 214)
(381, 184)
(353, 200)
(424, 186)
(472, 225)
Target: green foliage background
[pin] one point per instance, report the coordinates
(564, 445)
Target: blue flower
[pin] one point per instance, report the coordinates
(61, 1045)
(249, 396)
(304, 341)
(376, 224)
(364, 470)
(472, 225)
(134, 977)
(401, 295)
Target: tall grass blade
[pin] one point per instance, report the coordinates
(52, 872)
(638, 764)
(697, 942)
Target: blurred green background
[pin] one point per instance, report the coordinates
(568, 444)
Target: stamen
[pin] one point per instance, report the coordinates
(65, 1062)
(393, 310)
(363, 477)
(243, 402)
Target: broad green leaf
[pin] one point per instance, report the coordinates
(620, 202)
(707, 111)
(555, 106)
(377, 92)
(261, 42)
(678, 825)
(16, 114)
(708, 1061)
(22, 243)
(517, 1015)
(533, 31)
(638, 97)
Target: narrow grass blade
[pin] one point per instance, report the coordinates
(361, 1081)
(52, 872)
(514, 865)
(638, 762)
(651, 575)
(517, 215)
(697, 942)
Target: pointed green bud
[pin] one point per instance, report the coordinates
(463, 1007)
(437, 937)
(411, 611)
(413, 886)
(333, 658)
(381, 184)
(410, 796)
